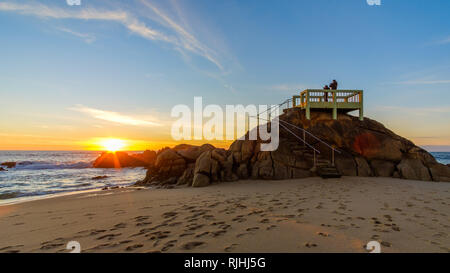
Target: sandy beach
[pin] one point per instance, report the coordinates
(300, 215)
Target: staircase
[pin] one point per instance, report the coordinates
(323, 167)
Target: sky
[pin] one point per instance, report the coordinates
(71, 76)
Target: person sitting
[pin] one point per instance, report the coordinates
(334, 85)
(326, 93)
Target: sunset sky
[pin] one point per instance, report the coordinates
(71, 76)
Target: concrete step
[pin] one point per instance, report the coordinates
(328, 172)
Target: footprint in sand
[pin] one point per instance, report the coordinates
(168, 245)
(230, 247)
(252, 229)
(186, 234)
(192, 245)
(169, 214)
(218, 233)
(10, 249)
(309, 245)
(119, 225)
(133, 247)
(140, 218)
(109, 236)
(58, 242)
(271, 227)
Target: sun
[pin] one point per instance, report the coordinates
(113, 144)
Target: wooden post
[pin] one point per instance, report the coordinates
(304, 138)
(247, 117)
(308, 114)
(257, 126)
(361, 106)
(314, 158)
(332, 157)
(334, 105)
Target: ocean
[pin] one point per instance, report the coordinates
(43, 173)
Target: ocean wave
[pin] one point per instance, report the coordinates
(45, 165)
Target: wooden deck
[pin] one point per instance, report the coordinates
(342, 100)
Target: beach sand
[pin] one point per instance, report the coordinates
(300, 215)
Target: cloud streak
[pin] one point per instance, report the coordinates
(182, 40)
(186, 39)
(425, 82)
(113, 116)
(88, 38)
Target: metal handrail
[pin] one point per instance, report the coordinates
(333, 149)
(320, 140)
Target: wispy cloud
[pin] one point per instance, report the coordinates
(419, 111)
(182, 39)
(443, 41)
(114, 116)
(287, 87)
(186, 39)
(424, 82)
(88, 38)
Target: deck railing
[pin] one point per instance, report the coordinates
(329, 99)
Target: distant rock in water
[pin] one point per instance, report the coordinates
(9, 164)
(367, 148)
(99, 177)
(121, 160)
(3, 170)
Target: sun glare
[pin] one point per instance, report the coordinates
(113, 144)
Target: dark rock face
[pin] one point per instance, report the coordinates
(9, 164)
(118, 160)
(367, 148)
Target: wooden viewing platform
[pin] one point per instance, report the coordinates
(337, 100)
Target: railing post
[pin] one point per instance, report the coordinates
(257, 126)
(334, 105)
(247, 117)
(304, 138)
(361, 106)
(332, 157)
(314, 158)
(308, 114)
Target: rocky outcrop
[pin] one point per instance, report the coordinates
(118, 160)
(175, 165)
(9, 164)
(365, 148)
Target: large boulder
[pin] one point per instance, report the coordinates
(440, 172)
(8, 164)
(191, 153)
(147, 156)
(382, 168)
(363, 168)
(118, 160)
(200, 180)
(412, 168)
(188, 175)
(346, 165)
